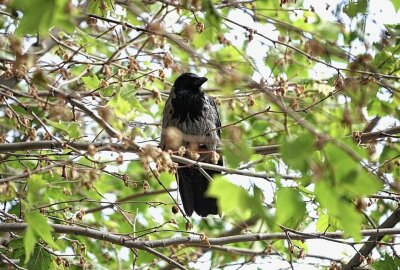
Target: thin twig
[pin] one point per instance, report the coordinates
(5, 258)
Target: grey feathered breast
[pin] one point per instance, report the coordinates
(203, 126)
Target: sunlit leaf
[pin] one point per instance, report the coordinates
(36, 189)
(40, 20)
(324, 88)
(341, 208)
(125, 102)
(396, 5)
(296, 152)
(91, 82)
(327, 223)
(349, 174)
(234, 200)
(166, 178)
(209, 35)
(39, 226)
(29, 242)
(71, 128)
(230, 196)
(290, 207)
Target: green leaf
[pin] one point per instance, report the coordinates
(396, 5)
(38, 226)
(166, 178)
(36, 189)
(296, 71)
(120, 105)
(135, 169)
(328, 223)
(349, 174)
(41, 260)
(381, 108)
(388, 263)
(340, 208)
(136, 105)
(290, 207)
(386, 61)
(106, 92)
(212, 15)
(99, 7)
(91, 82)
(144, 257)
(296, 152)
(125, 102)
(29, 242)
(71, 128)
(228, 53)
(18, 249)
(35, 19)
(236, 201)
(230, 196)
(329, 30)
(39, 16)
(355, 7)
(206, 37)
(235, 153)
(322, 222)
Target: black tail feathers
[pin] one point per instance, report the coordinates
(192, 188)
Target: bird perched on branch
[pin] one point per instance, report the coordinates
(191, 119)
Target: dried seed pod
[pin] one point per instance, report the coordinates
(146, 186)
(173, 138)
(120, 160)
(91, 150)
(175, 209)
(214, 157)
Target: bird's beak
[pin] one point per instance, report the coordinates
(200, 81)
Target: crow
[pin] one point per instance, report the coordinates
(195, 115)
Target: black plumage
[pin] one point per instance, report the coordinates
(193, 113)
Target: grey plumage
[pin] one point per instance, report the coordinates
(195, 115)
(198, 127)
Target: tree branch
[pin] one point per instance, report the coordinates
(371, 136)
(365, 250)
(227, 170)
(52, 145)
(133, 148)
(251, 252)
(195, 240)
(8, 260)
(163, 257)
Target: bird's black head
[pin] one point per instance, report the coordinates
(189, 82)
(188, 101)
